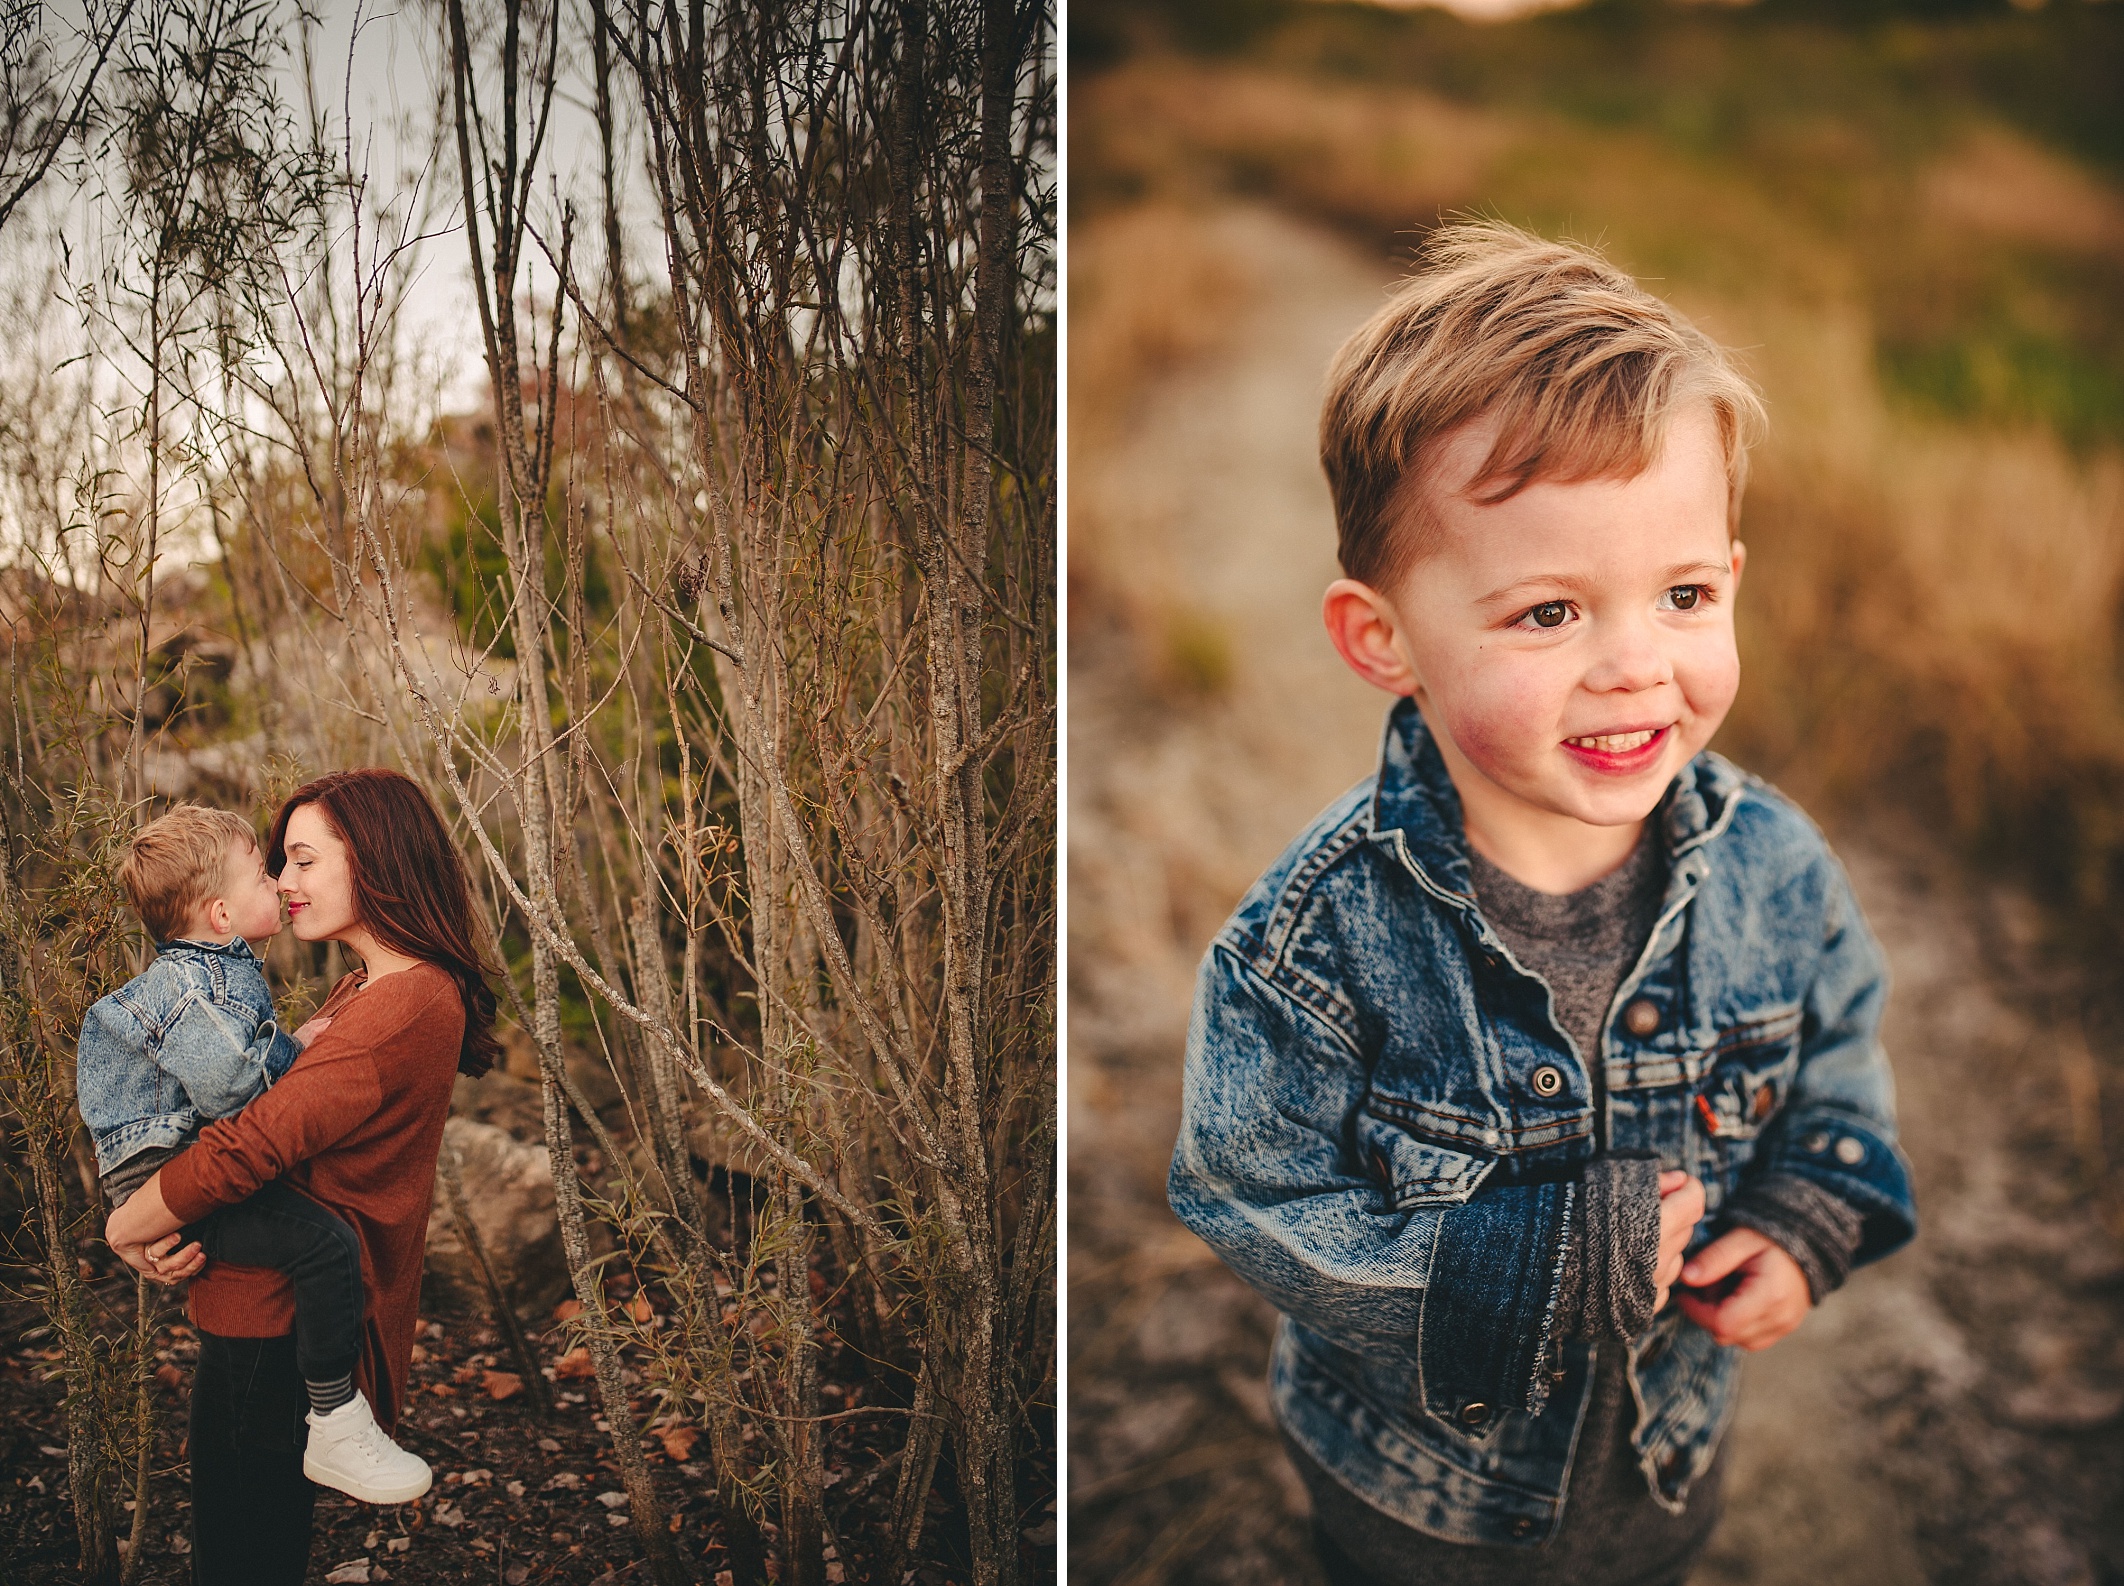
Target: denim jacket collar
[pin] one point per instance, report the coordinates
(236, 948)
(1417, 807)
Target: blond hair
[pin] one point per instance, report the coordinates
(1580, 368)
(175, 864)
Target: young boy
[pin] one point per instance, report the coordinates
(1558, 998)
(193, 1037)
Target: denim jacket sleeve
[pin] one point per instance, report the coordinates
(1459, 1278)
(1837, 1126)
(222, 1053)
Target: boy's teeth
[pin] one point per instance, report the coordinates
(1616, 742)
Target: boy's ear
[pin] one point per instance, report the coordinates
(1740, 560)
(1365, 628)
(220, 923)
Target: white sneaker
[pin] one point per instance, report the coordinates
(349, 1451)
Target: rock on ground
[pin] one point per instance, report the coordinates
(509, 1188)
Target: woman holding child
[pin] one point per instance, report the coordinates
(362, 859)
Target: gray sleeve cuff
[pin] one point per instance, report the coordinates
(1612, 1252)
(1817, 1229)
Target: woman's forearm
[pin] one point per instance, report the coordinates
(143, 1219)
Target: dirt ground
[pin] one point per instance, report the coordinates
(519, 1499)
(1955, 1414)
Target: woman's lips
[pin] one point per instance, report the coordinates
(1619, 753)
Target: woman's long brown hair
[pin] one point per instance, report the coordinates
(409, 885)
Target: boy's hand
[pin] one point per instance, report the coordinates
(1765, 1302)
(1681, 1208)
(312, 1030)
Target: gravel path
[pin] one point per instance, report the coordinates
(1954, 1415)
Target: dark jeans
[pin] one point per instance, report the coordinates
(1342, 1570)
(291, 1233)
(250, 1499)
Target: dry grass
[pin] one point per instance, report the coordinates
(1149, 293)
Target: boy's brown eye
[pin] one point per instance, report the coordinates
(1549, 614)
(1685, 596)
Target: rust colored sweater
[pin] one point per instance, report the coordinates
(355, 1125)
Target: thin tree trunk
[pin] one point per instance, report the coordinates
(649, 1529)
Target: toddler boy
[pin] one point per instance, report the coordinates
(193, 1038)
(1558, 999)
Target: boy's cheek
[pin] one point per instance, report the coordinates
(1499, 721)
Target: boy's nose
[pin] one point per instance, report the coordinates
(1630, 661)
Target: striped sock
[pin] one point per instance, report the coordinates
(327, 1396)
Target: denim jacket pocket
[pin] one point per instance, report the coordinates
(1745, 1080)
(1412, 1171)
(1746, 1076)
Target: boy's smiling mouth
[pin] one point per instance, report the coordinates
(1620, 753)
(1617, 742)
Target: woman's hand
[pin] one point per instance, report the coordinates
(162, 1260)
(143, 1221)
(312, 1030)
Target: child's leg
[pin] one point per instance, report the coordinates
(289, 1232)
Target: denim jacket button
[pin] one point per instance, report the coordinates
(1475, 1416)
(1548, 1080)
(1850, 1151)
(1641, 1018)
(1815, 1144)
(1522, 1527)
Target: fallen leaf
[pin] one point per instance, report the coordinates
(448, 1514)
(353, 1573)
(678, 1442)
(169, 1376)
(465, 1374)
(640, 1309)
(613, 1500)
(567, 1310)
(574, 1365)
(442, 1390)
(502, 1385)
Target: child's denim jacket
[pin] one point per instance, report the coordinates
(1383, 1122)
(192, 1036)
